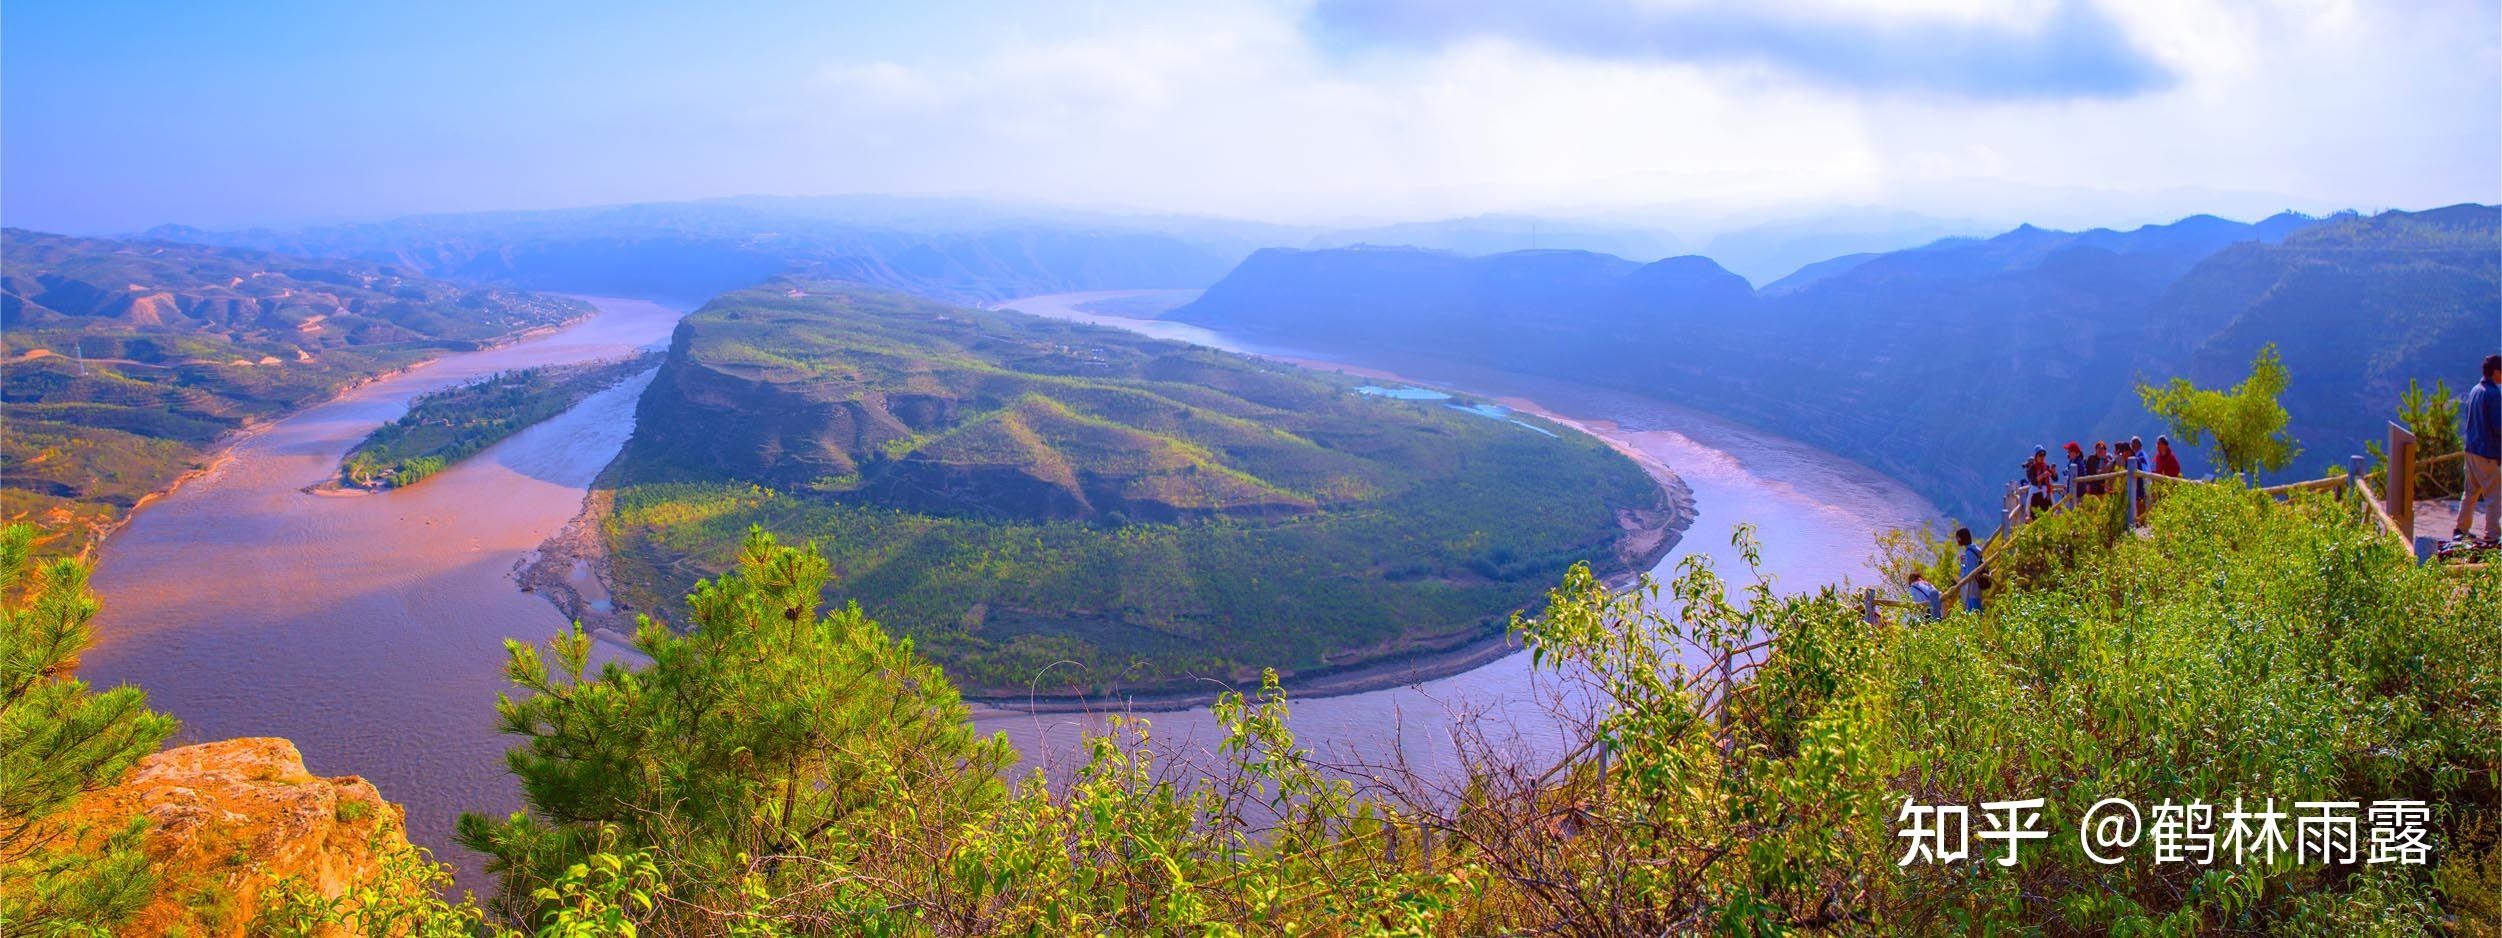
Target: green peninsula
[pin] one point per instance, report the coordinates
(1049, 506)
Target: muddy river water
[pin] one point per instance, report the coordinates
(369, 628)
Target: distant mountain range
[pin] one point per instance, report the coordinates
(693, 250)
(1942, 364)
(978, 250)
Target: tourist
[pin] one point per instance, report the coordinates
(2484, 454)
(2097, 464)
(2076, 469)
(2135, 458)
(2039, 477)
(1970, 559)
(2167, 463)
(1927, 596)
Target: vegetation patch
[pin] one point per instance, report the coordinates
(447, 426)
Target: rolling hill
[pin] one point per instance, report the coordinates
(1014, 491)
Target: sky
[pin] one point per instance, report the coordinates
(118, 116)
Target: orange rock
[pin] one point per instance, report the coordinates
(229, 819)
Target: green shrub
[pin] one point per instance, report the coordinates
(59, 740)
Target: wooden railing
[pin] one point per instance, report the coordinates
(2391, 508)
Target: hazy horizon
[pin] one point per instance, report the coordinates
(1682, 116)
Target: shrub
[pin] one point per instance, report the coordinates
(59, 740)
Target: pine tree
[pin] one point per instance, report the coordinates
(765, 733)
(59, 740)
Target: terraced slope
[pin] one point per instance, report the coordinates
(1014, 491)
(126, 359)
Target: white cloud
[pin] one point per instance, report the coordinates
(1234, 110)
(1248, 108)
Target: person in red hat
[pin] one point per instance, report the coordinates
(2167, 463)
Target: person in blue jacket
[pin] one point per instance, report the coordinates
(1970, 559)
(1926, 594)
(2484, 454)
(2145, 467)
(2076, 470)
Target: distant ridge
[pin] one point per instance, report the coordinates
(1942, 364)
(693, 250)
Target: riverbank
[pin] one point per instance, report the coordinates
(571, 571)
(219, 450)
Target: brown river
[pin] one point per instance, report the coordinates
(369, 628)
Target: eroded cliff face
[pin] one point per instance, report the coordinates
(229, 820)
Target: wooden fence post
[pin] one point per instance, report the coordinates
(1868, 605)
(2128, 491)
(2354, 476)
(2401, 494)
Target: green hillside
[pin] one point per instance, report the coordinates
(1013, 491)
(2358, 308)
(125, 360)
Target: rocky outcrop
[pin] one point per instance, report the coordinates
(229, 820)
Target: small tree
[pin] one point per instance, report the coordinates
(59, 740)
(2244, 426)
(363, 468)
(768, 732)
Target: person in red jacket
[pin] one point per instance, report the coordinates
(2166, 463)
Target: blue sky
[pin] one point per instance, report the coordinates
(119, 116)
